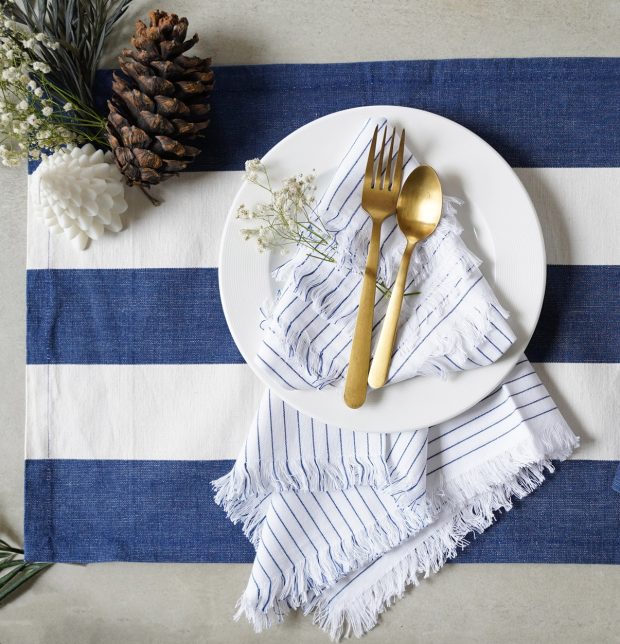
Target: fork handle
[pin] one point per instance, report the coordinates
(357, 374)
(383, 353)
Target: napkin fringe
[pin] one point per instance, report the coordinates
(352, 244)
(309, 275)
(327, 566)
(241, 491)
(458, 340)
(514, 473)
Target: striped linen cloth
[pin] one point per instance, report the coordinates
(454, 323)
(137, 397)
(343, 521)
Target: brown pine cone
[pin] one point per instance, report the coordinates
(160, 104)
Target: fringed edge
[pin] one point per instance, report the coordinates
(300, 585)
(512, 478)
(241, 491)
(352, 246)
(458, 340)
(293, 343)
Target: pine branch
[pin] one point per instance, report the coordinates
(14, 571)
(80, 27)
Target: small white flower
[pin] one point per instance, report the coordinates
(242, 212)
(47, 111)
(253, 165)
(38, 92)
(32, 85)
(32, 119)
(41, 67)
(22, 105)
(67, 107)
(40, 37)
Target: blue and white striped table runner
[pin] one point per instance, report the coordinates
(137, 397)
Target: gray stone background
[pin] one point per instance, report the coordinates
(185, 603)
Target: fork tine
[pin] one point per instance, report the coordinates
(377, 182)
(370, 164)
(398, 171)
(388, 170)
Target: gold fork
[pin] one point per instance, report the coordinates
(379, 197)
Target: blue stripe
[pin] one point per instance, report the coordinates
(580, 319)
(161, 316)
(616, 483)
(536, 112)
(127, 316)
(88, 511)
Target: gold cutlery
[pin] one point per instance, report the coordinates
(418, 212)
(379, 196)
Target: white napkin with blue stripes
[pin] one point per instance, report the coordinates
(454, 323)
(342, 521)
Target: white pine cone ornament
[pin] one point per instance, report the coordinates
(80, 193)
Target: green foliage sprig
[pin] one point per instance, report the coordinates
(14, 571)
(49, 54)
(80, 27)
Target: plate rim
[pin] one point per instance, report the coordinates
(366, 108)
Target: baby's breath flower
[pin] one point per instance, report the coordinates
(29, 102)
(248, 233)
(288, 218)
(253, 165)
(242, 212)
(44, 68)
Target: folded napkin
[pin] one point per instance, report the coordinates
(342, 521)
(454, 323)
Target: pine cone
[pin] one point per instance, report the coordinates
(160, 104)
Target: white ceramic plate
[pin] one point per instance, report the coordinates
(501, 227)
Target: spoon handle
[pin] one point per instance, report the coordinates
(357, 374)
(383, 355)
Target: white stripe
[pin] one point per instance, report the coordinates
(139, 418)
(177, 235)
(578, 210)
(587, 396)
(184, 412)
(184, 232)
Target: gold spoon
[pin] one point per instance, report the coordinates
(418, 212)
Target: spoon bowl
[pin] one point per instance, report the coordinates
(418, 212)
(418, 209)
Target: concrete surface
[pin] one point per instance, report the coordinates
(161, 603)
